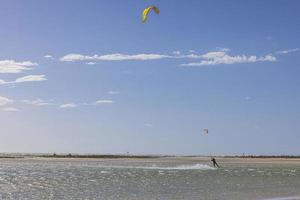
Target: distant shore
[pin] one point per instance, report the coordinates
(114, 156)
(102, 156)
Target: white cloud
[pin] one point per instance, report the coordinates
(29, 78)
(48, 56)
(4, 101)
(268, 57)
(91, 63)
(118, 56)
(112, 57)
(113, 92)
(191, 56)
(37, 102)
(10, 109)
(222, 57)
(68, 105)
(104, 101)
(223, 49)
(74, 57)
(287, 51)
(176, 52)
(2, 82)
(11, 66)
(40, 102)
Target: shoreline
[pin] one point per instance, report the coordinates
(178, 160)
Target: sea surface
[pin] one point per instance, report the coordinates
(137, 180)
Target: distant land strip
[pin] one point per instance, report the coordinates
(114, 156)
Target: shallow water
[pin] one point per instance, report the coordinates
(52, 179)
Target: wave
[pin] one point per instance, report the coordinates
(179, 167)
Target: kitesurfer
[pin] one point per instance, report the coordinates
(215, 162)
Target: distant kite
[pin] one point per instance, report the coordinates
(146, 12)
(205, 130)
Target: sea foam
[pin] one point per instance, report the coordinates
(178, 167)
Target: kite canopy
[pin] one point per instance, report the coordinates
(146, 12)
(205, 130)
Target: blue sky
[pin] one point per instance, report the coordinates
(90, 77)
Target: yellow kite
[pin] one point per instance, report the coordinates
(147, 10)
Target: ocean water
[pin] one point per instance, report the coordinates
(82, 179)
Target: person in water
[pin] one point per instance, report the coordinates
(215, 162)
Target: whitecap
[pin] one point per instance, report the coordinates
(179, 167)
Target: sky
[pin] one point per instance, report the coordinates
(90, 77)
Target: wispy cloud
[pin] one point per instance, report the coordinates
(222, 57)
(10, 109)
(41, 102)
(4, 101)
(68, 105)
(148, 125)
(37, 102)
(29, 78)
(222, 49)
(287, 51)
(7, 104)
(112, 57)
(91, 63)
(11, 66)
(48, 56)
(2, 82)
(104, 101)
(176, 52)
(113, 92)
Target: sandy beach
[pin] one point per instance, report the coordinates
(172, 159)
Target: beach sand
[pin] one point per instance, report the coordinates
(172, 159)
